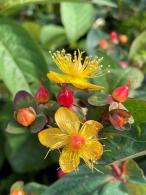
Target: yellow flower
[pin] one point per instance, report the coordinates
(76, 142)
(74, 70)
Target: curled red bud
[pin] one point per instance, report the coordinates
(119, 118)
(65, 97)
(121, 93)
(42, 94)
(25, 116)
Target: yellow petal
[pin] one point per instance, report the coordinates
(52, 138)
(90, 128)
(58, 78)
(67, 120)
(91, 152)
(69, 160)
(82, 84)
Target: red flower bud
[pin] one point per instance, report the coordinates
(25, 116)
(17, 192)
(42, 94)
(61, 173)
(123, 39)
(121, 93)
(113, 37)
(65, 97)
(103, 44)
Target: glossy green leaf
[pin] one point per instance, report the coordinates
(8, 5)
(137, 108)
(83, 182)
(34, 188)
(138, 45)
(92, 182)
(34, 29)
(15, 128)
(77, 19)
(25, 153)
(38, 124)
(52, 36)
(121, 145)
(121, 77)
(108, 3)
(98, 100)
(20, 58)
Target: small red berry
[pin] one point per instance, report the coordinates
(121, 93)
(25, 116)
(103, 44)
(65, 97)
(42, 94)
(123, 39)
(113, 36)
(17, 192)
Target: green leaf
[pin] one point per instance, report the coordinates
(83, 182)
(92, 182)
(15, 128)
(33, 28)
(108, 3)
(25, 153)
(137, 108)
(135, 188)
(121, 77)
(122, 145)
(98, 100)
(38, 124)
(113, 188)
(34, 188)
(8, 6)
(20, 58)
(77, 19)
(52, 36)
(138, 45)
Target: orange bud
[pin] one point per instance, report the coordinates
(42, 94)
(117, 121)
(119, 118)
(25, 116)
(17, 192)
(121, 93)
(103, 44)
(123, 39)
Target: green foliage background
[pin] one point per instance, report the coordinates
(28, 30)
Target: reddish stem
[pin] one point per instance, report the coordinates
(116, 170)
(104, 114)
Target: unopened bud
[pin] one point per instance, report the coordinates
(25, 116)
(123, 39)
(113, 36)
(121, 93)
(17, 192)
(65, 97)
(103, 44)
(42, 94)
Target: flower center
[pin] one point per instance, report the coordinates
(76, 142)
